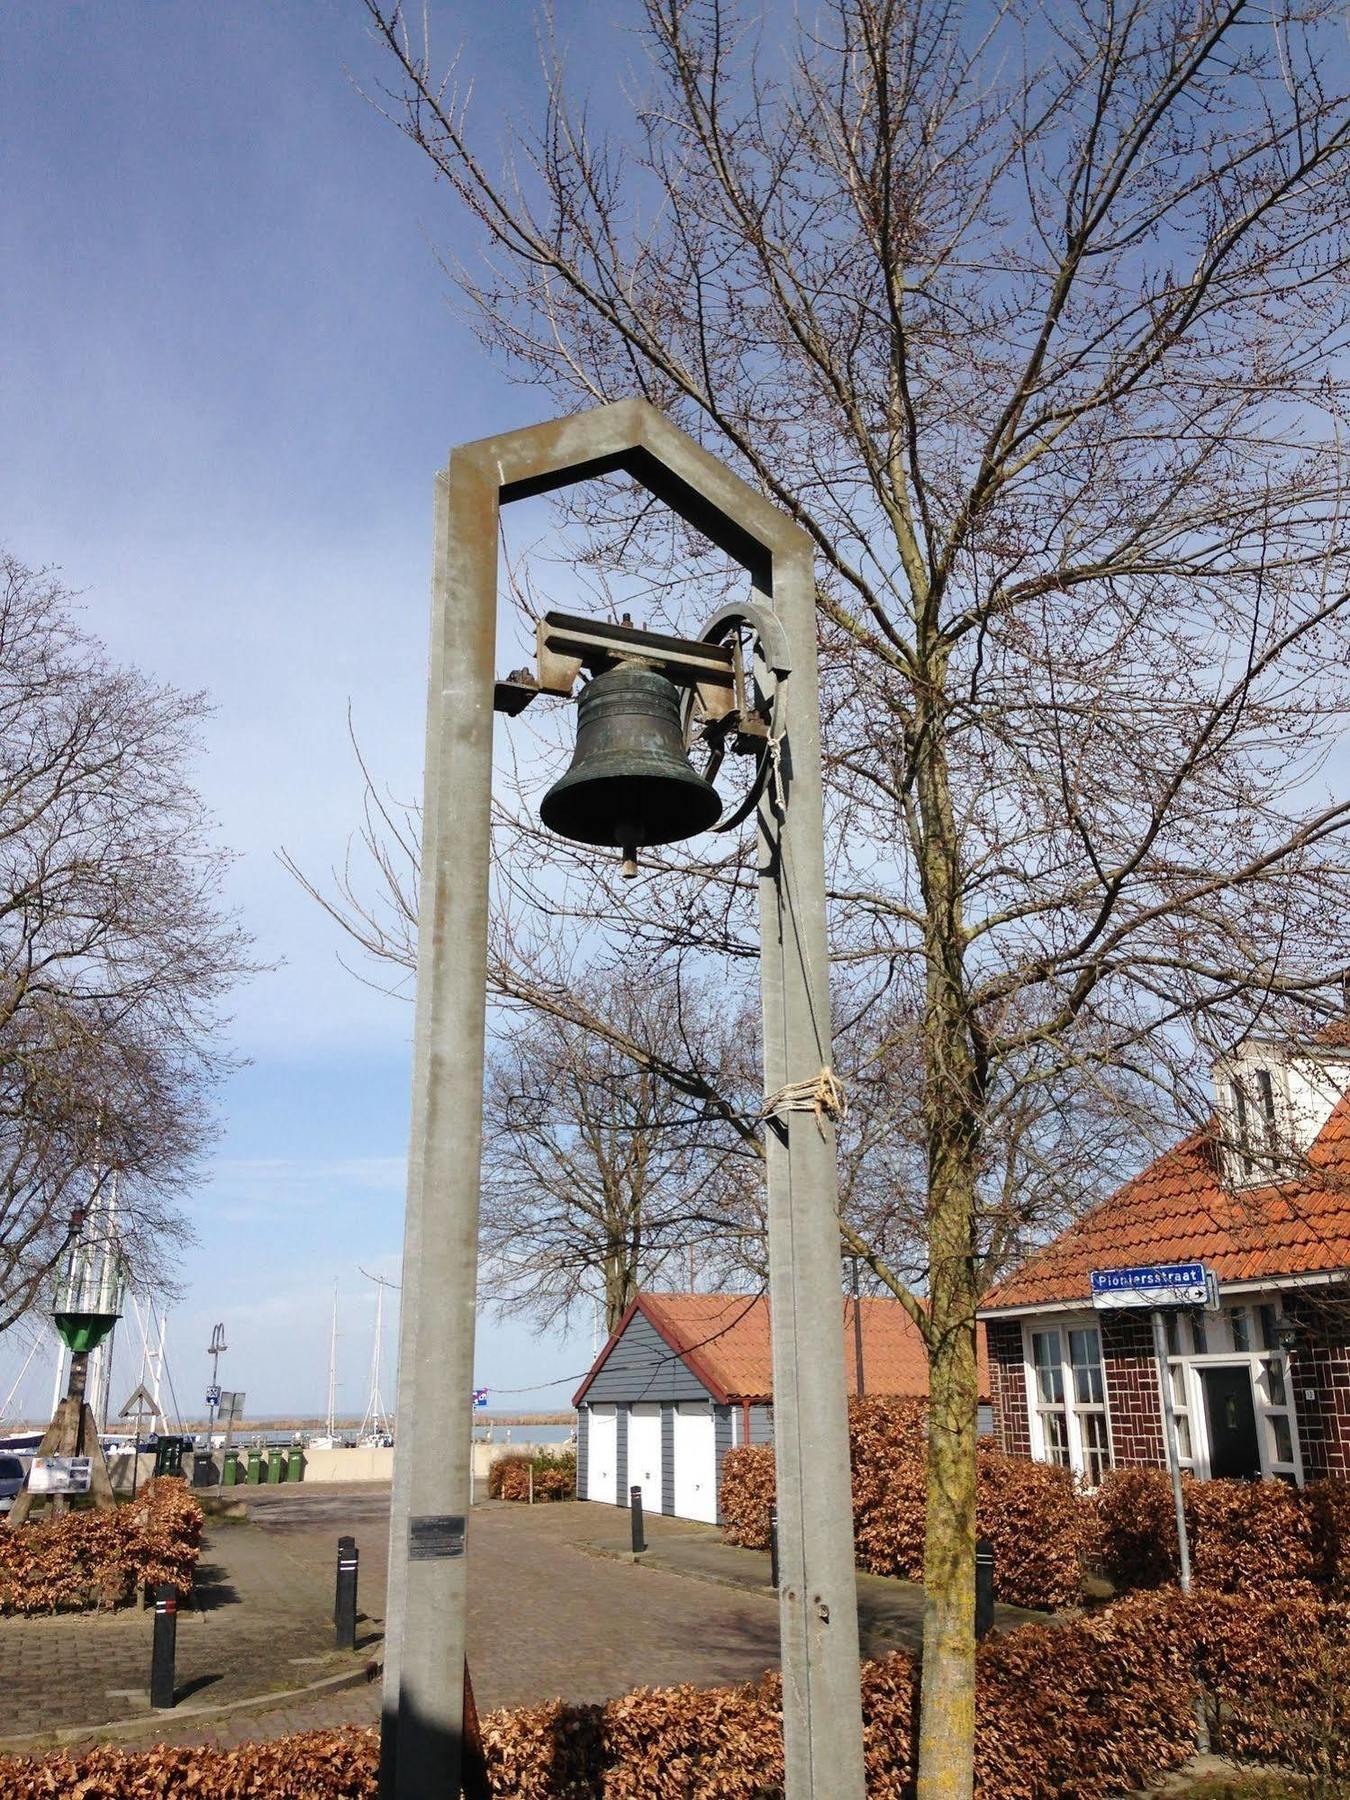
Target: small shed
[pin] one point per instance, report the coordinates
(686, 1377)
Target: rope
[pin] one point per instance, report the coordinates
(776, 774)
(822, 1095)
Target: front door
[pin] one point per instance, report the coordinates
(1231, 1416)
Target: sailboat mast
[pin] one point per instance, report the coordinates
(332, 1368)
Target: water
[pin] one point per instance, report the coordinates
(522, 1434)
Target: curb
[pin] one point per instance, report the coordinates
(71, 1734)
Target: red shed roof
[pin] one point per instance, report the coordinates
(724, 1340)
(1180, 1210)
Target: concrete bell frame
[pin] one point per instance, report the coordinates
(425, 1634)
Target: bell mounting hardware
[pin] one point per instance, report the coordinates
(631, 783)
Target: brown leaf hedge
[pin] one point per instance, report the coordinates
(1257, 1538)
(555, 1476)
(1077, 1710)
(92, 1561)
(1031, 1512)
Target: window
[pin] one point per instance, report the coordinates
(1050, 1395)
(1243, 1158)
(1242, 1337)
(1255, 1102)
(1069, 1400)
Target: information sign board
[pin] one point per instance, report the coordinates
(59, 1475)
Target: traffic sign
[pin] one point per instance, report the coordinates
(1157, 1284)
(213, 1396)
(480, 1397)
(140, 1402)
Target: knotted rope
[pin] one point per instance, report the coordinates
(822, 1095)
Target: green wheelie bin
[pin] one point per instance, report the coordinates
(255, 1466)
(230, 1477)
(276, 1466)
(295, 1463)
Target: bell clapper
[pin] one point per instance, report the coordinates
(630, 862)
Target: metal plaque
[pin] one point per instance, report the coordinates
(435, 1536)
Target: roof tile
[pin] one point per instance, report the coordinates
(725, 1340)
(1179, 1210)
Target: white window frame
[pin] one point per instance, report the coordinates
(1185, 1371)
(1074, 1411)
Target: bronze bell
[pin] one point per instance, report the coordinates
(630, 782)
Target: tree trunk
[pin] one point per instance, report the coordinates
(947, 1718)
(952, 1094)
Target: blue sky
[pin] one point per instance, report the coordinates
(231, 367)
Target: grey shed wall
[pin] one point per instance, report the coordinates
(668, 1456)
(583, 1449)
(761, 1425)
(642, 1366)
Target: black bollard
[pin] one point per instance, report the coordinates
(635, 1501)
(773, 1549)
(984, 1587)
(344, 1603)
(165, 1643)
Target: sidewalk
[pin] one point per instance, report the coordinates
(259, 1621)
(890, 1611)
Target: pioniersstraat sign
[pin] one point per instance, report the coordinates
(1158, 1284)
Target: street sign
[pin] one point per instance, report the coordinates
(229, 1407)
(480, 1398)
(1159, 1284)
(59, 1475)
(213, 1396)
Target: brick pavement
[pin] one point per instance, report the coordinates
(547, 1617)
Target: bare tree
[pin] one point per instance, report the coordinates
(1031, 317)
(600, 1176)
(114, 953)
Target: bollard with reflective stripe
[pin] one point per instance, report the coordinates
(984, 1587)
(773, 1551)
(165, 1643)
(639, 1537)
(344, 1604)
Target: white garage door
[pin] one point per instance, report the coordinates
(602, 1454)
(695, 1462)
(644, 1453)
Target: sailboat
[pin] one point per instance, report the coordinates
(329, 1441)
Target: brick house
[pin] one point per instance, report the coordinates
(1261, 1196)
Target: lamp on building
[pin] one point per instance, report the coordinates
(1287, 1335)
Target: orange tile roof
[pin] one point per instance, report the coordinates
(1179, 1210)
(724, 1339)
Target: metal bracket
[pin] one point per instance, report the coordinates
(566, 643)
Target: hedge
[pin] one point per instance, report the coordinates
(1074, 1711)
(1030, 1512)
(555, 1476)
(87, 1561)
(1256, 1538)
(1246, 1537)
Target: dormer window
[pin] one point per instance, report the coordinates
(1255, 1111)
